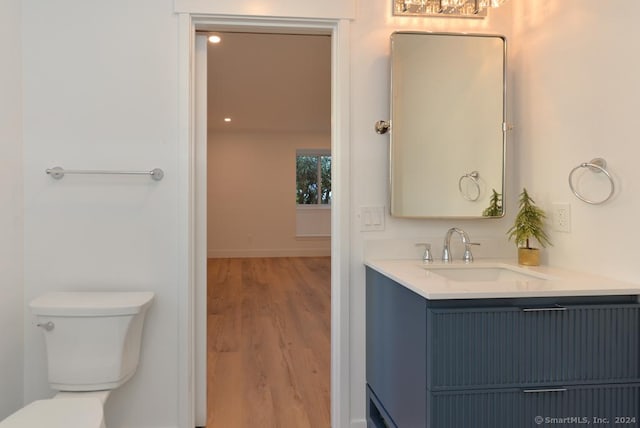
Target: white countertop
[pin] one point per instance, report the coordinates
(416, 276)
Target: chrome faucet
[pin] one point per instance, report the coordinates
(446, 252)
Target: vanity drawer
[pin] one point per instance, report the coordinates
(598, 406)
(525, 347)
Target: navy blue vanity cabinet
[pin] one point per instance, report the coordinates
(396, 352)
(500, 363)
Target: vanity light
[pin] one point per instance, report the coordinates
(445, 8)
(215, 39)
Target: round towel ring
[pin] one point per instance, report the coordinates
(473, 176)
(596, 165)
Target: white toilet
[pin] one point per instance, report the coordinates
(93, 346)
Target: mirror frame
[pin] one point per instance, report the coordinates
(505, 127)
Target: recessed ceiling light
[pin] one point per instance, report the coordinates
(215, 39)
(227, 119)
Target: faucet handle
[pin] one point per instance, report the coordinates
(468, 257)
(426, 257)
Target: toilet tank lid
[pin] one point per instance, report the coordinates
(91, 303)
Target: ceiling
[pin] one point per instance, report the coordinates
(269, 82)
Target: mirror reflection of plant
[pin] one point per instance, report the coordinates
(529, 223)
(495, 205)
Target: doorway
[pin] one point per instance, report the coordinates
(268, 229)
(191, 293)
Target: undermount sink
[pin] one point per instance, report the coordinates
(485, 273)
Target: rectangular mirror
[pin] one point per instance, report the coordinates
(448, 125)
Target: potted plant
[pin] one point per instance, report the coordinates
(529, 223)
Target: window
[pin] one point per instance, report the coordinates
(313, 177)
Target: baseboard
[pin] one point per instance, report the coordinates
(359, 423)
(293, 252)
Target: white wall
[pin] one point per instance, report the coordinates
(290, 8)
(100, 92)
(11, 203)
(251, 194)
(579, 98)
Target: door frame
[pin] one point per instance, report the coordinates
(190, 221)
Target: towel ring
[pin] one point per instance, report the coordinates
(473, 176)
(596, 165)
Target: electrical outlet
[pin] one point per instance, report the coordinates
(562, 217)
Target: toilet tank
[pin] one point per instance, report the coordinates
(92, 338)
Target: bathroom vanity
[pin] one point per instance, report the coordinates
(495, 345)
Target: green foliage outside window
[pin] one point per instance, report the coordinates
(313, 179)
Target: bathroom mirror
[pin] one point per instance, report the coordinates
(448, 125)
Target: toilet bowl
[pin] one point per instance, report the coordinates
(93, 344)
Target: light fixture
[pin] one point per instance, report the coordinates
(215, 39)
(227, 119)
(451, 8)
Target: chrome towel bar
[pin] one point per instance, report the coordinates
(58, 172)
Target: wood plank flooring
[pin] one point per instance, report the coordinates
(269, 342)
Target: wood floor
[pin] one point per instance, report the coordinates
(269, 341)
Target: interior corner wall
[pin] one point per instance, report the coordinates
(11, 212)
(578, 99)
(251, 194)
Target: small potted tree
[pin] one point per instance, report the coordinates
(529, 223)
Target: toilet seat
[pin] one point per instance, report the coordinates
(58, 413)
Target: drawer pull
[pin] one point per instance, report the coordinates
(551, 309)
(532, 391)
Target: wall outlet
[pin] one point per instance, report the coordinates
(562, 217)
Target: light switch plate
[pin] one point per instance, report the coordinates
(371, 219)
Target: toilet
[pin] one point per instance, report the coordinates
(93, 346)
